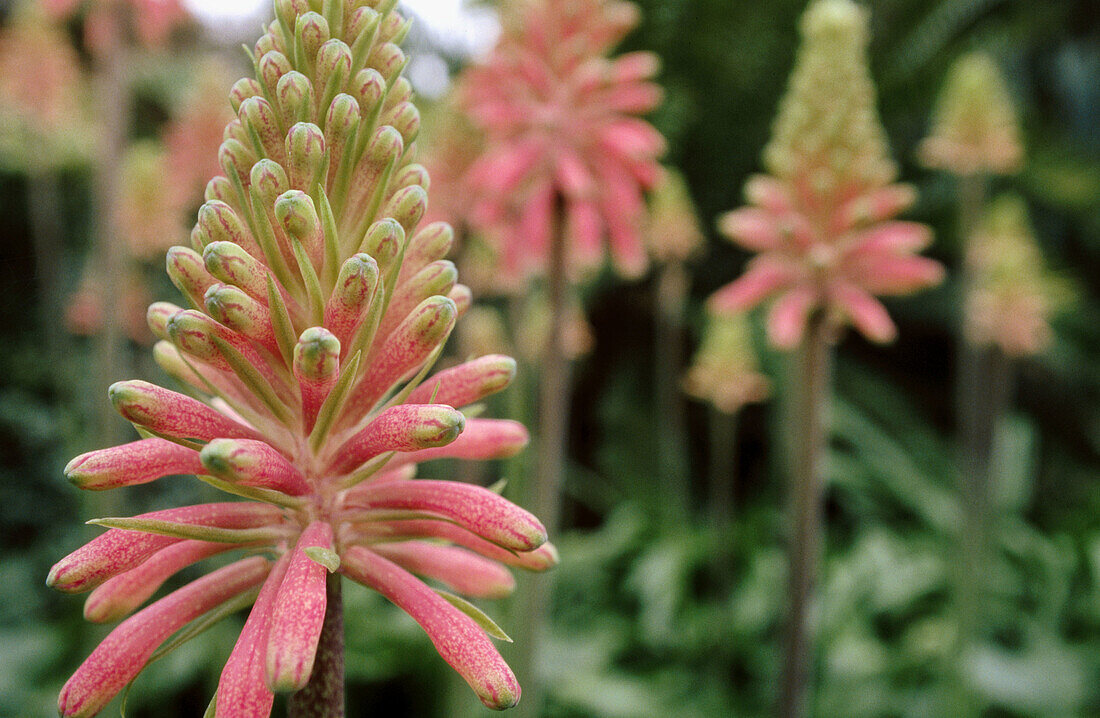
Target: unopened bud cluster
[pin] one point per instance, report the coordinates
(975, 128)
(1012, 295)
(821, 221)
(315, 306)
(724, 370)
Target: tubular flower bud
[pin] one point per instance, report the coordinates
(319, 304)
(563, 143)
(975, 127)
(820, 221)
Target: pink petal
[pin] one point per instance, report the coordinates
(298, 614)
(540, 559)
(124, 652)
(459, 640)
(787, 317)
(138, 462)
(770, 194)
(585, 229)
(254, 463)
(466, 383)
(405, 427)
(876, 206)
(404, 351)
(242, 688)
(460, 570)
(120, 595)
(572, 176)
(893, 238)
(867, 313)
(762, 278)
(481, 439)
(634, 66)
(895, 275)
(752, 228)
(436, 278)
(173, 414)
(119, 550)
(488, 515)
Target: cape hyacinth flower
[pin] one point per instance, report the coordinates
(821, 220)
(317, 306)
(975, 129)
(563, 138)
(1012, 296)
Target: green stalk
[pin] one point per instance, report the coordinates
(810, 425)
(532, 616)
(323, 696)
(671, 490)
(722, 467)
(982, 394)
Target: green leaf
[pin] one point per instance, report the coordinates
(334, 402)
(254, 380)
(190, 531)
(324, 556)
(331, 269)
(267, 496)
(498, 486)
(314, 295)
(281, 322)
(211, 708)
(487, 624)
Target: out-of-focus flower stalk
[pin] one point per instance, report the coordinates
(724, 373)
(821, 224)
(673, 235)
(975, 134)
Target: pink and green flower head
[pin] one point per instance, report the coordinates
(315, 306)
(821, 220)
(564, 141)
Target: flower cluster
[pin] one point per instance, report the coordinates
(317, 307)
(821, 220)
(152, 21)
(724, 370)
(41, 87)
(1012, 296)
(564, 143)
(975, 128)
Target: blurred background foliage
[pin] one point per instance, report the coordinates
(656, 616)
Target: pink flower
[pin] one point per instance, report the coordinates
(318, 306)
(563, 137)
(822, 224)
(152, 21)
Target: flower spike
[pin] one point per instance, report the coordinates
(315, 304)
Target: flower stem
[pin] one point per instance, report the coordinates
(982, 394)
(533, 601)
(323, 696)
(811, 387)
(671, 491)
(722, 467)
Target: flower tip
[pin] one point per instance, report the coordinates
(500, 691)
(546, 557)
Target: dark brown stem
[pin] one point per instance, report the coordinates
(810, 422)
(323, 696)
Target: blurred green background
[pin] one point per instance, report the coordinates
(658, 616)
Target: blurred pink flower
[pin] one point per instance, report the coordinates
(563, 137)
(152, 21)
(821, 224)
(39, 73)
(319, 306)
